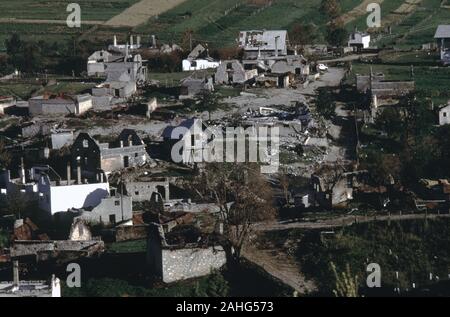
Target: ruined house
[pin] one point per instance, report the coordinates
(5, 103)
(263, 43)
(382, 93)
(97, 61)
(110, 211)
(50, 104)
(333, 186)
(196, 84)
(130, 46)
(24, 288)
(199, 59)
(142, 187)
(128, 150)
(60, 138)
(294, 64)
(359, 40)
(182, 255)
(232, 72)
(442, 36)
(190, 134)
(62, 195)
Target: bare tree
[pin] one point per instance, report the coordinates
(243, 197)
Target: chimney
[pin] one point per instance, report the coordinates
(79, 172)
(101, 177)
(276, 45)
(22, 171)
(138, 41)
(131, 41)
(16, 275)
(68, 173)
(115, 40)
(121, 143)
(153, 41)
(126, 52)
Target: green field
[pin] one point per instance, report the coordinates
(219, 22)
(98, 10)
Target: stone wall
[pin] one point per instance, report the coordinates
(181, 264)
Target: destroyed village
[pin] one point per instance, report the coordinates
(238, 148)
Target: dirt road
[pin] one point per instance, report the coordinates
(341, 221)
(35, 21)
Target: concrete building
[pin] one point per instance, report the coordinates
(96, 64)
(128, 150)
(199, 59)
(359, 40)
(444, 115)
(142, 188)
(263, 43)
(62, 195)
(442, 36)
(232, 72)
(188, 259)
(48, 104)
(110, 211)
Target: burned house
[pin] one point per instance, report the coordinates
(182, 254)
(131, 46)
(263, 43)
(192, 138)
(5, 103)
(96, 64)
(442, 36)
(196, 84)
(382, 93)
(333, 186)
(141, 188)
(110, 211)
(50, 104)
(294, 64)
(199, 59)
(359, 40)
(62, 195)
(128, 150)
(232, 72)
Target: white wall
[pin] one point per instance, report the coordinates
(55, 199)
(444, 115)
(201, 64)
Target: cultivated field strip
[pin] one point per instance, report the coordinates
(140, 12)
(358, 11)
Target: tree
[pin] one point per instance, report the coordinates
(325, 103)
(332, 8)
(337, 35)
(243, 197)
(303, 34)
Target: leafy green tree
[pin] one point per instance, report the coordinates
(325, 103)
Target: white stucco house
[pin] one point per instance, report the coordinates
(444, 115)
(359, 40)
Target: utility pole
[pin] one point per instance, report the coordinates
(121, 194)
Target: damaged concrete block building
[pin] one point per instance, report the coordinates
(128, 150)
(188, 259)
(62, 104)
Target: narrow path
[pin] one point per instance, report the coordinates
(341, 221)
(280, 266)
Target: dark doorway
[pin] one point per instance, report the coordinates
(126, 161)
